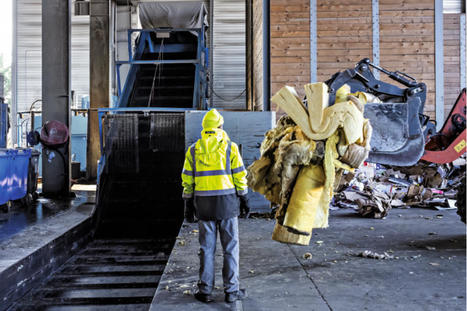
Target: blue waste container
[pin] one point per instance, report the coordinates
(15, 168)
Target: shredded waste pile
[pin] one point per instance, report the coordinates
(304, 155)
(373, 190)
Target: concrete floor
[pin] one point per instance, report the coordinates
(21, 218)
(428, 271)
(23, 231)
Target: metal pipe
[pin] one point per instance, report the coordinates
(313, 42)
(14, 77)
(266, 57)
(375, 32)
(439, 65)
(211, 45)
(462, 51)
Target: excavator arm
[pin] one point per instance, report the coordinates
(397, 122)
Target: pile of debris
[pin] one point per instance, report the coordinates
(303, 154)
(374, 189)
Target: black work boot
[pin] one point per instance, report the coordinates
(206, 298)
(232, 297)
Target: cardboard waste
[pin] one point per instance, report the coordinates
(302, 156)
(374, 189)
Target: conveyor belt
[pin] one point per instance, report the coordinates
(167, 85)
(138, 215)
(139, 206)
(109, 274)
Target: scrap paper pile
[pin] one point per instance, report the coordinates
(303, 154)
(374, 189)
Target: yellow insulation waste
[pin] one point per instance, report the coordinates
(343, 114)
(305, 210)
(302, 155)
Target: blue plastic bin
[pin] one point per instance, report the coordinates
(14, 164)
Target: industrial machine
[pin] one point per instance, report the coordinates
(139, 206)
(449, 143)
(402, 134)
(142, 139)
(397, 128)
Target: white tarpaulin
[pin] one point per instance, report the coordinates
(179, 14)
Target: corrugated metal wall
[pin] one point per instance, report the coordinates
(28, 55)
(126, 17)
(229, 51)
(229, 54)
(453, 6)
(29, 44)
(80, 56)
(229, 57)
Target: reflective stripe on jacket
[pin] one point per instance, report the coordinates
(213, 166)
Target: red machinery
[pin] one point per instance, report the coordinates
(450, 143)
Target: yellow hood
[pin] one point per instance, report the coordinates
(211, 140)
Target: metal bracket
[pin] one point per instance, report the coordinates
(375, 32)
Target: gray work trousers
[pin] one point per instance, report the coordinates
(228, 231)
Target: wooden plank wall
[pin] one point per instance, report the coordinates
(407, 42)
(290, 44)
(451, 60)
(344, 35)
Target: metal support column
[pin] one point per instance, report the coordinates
(313, 42)
(14, 78)
(439, 64)
(266, 56)
(99, 77)
(56, 56)
(375, 34)
(463, 68)
(211, 53)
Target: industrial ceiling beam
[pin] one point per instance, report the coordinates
(56, 58)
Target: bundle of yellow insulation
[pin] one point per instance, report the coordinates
(302, 156)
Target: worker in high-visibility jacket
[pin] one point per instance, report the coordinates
(214, 188)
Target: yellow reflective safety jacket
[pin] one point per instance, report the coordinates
(213, 167)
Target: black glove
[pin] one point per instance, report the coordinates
(244, 207)
(190, 210)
